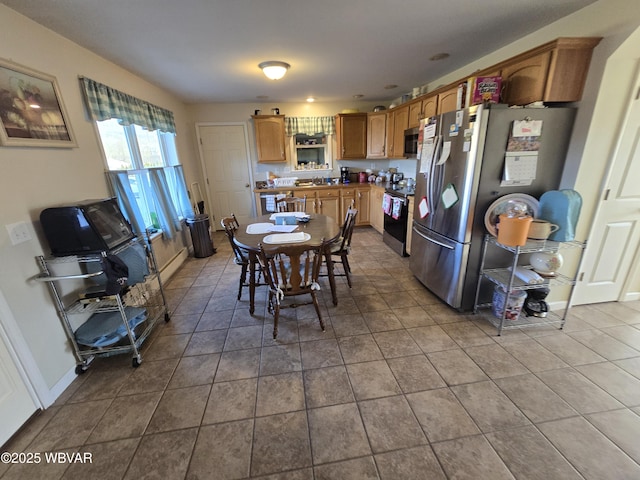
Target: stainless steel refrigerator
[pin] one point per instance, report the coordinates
(457, 190)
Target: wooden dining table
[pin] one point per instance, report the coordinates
(319, 227)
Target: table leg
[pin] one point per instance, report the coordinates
(252, 281)
(332, 278)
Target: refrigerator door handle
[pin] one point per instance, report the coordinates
(432, 169)
(429, 239)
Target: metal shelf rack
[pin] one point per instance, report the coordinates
(507, 279)
(144, 299)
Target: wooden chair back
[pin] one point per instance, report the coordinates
(292, 204)
(230, 225)
(292, 269)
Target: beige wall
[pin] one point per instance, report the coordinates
(35, 178)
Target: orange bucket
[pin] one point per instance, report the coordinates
(513, 231)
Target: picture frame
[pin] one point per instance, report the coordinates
(31, 110)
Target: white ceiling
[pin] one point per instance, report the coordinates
(208, 50)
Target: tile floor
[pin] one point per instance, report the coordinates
(398, 387)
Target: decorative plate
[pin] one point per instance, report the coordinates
(278, 238)
(500, 206)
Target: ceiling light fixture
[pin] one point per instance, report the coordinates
(311, 99)
(358, 96)
(274, 70)
(391, 86)
(439, 56)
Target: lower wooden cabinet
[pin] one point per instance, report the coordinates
(359, 198)
(409, 226)
(376, 215)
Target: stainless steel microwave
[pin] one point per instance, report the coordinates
(411, 142)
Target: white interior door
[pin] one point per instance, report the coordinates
(613, 244)
(16, 403)
(226, 166)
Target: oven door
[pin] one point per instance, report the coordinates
(395, 229)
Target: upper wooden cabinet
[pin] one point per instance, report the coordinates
(397, 123)
(553, 72)
(351, 135)
(524, 81)
(270, 138)
(376, 135)
(430, 106)
(448, 100)
(415, 113)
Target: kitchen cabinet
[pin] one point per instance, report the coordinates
(524, 81)
(409, 226)
(351, 136)
(553, 72)
(376, 215)
(328, 203)
(376, 135)
(397, 123)
(430, 106)
(359, 197)
(415, 114)
(448, 100)
(509, 282)
(270, 138)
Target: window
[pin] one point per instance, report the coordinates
(138, 153)
(143, 167)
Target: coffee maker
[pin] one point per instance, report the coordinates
(344, 174)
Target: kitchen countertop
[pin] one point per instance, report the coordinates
(320, 186)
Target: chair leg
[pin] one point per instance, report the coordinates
(317, 307)
(332, 279)
(276, 315)
(346, 268)
(243, 278)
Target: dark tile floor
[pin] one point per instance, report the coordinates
(398, 387)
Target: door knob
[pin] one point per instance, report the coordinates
(247, 185)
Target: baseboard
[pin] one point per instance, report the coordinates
(174, 264)
(631, 297)
(57, 390)
(559, 305)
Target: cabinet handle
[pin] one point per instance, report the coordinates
(359, 195)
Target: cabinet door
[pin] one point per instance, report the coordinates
(362, 204)
(329, 205)
(376, 135)
(524, 81)
(351, 132)
(430, 106)
(375, 209)
(409, 227)
(400, 124)
(270, 138)
(415, 114)
(448, 100)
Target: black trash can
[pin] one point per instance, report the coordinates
(202, 243)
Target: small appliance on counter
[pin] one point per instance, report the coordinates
(344, 174)
(397, 177)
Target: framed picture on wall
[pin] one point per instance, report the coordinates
(31, 110)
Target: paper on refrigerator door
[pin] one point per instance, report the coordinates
(444, 155)
(426, 158)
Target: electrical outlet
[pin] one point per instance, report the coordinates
(18, 232)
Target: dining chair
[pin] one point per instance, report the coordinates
(292, 204)
(291, 270)
(242, 257)
(339, 249)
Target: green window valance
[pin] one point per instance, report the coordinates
(105, 102)
(310, 125)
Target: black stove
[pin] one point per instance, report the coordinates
(399, 191)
